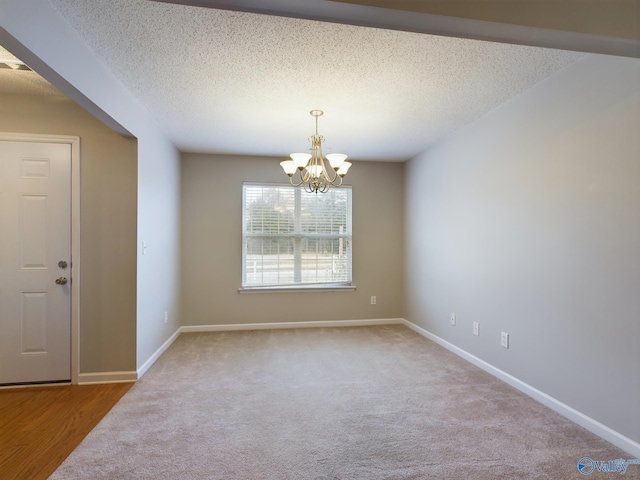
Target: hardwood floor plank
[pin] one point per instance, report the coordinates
(41, 426)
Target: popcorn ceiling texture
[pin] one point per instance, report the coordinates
(243, 83)
(23, 82)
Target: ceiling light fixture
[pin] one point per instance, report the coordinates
(311, 170)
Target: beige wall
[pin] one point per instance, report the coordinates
(615, 18)
(47, 43)
(108, 230)
(159, 227)
(212, 250)
(528, 222)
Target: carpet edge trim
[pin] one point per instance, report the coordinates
(607, 433)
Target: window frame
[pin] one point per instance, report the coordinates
(296, 287)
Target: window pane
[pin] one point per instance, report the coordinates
(325, 260)
(325, 213)
(269, 261)
(293, 237)
(268, 210)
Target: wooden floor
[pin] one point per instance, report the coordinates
(41, 426)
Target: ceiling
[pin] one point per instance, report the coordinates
(22, 82)
(613, 18)
(221, 81)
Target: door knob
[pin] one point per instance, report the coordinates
(61, 281)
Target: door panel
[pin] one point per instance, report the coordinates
(33, 322)
(35, 234)
(33, 231)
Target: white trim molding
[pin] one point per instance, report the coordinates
(106, 377)
(121, 377)
(630, 446)
(299, 289)
(163, 348)
(257, 326)
(272, 326)
(74, 141)
(607, 433)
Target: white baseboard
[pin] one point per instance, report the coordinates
(271, 326)
(106, 377)
(630, 446)
(151, 360)
(121, 377)
(252, 326)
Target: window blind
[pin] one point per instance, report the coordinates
(292, 237)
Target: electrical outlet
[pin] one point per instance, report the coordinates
(373, 299)
(504, 339)
(166, 316)
(453, 319)
(476, 328)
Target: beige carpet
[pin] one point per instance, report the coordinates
(332, 403)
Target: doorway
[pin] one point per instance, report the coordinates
(39, 258)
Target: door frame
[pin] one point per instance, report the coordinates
(74, 141)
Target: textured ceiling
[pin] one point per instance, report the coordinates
(23, 82)
(243, 83)
(613, 18)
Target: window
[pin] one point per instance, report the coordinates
(292, 238)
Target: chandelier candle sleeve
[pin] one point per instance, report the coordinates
(310, 170)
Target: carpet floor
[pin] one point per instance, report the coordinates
(376, 402)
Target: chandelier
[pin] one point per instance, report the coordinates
(310, 168)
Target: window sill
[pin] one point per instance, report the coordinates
(296, 289)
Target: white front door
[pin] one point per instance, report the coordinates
(35, 262)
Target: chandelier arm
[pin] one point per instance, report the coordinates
(332, 180)
(293, 183)
(315, 176)
(299, 172)
(325, 171)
